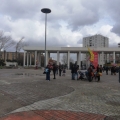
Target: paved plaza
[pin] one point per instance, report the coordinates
(26, 95)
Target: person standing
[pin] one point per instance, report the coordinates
(112, 70)
(76, 71)
(101, 68)
(64, 71)
(60, 70)
(73, 72)
(106, 69)
(47, 70)
(57, 69)
(98, 73)
(54, 71)
(90, 70)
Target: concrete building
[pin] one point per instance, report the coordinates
(10, 58)
(96, 41)
(10, 55)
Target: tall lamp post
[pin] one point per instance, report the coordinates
(46, 11)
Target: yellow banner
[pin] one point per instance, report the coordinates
(91, 54)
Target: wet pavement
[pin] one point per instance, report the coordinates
(25, 94)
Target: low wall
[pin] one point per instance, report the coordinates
(11, 64)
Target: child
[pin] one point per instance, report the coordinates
(64, 72)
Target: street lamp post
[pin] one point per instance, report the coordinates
(46, 11)
(119, 66)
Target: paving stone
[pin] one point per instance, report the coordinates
(28, 90)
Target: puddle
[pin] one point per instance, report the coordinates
(113, 103)
(3, 82)
(28, 74)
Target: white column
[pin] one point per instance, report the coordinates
(38, 54)
(46, 58)
(102, 58)
(30, 58)
(68, 59)
(114, 57)
(108, 57)
(35, 58)
(105, 57)
(27, 58)
(24, 58)
(99, 58)
(58, 57)
(39, 59)
(79, 59)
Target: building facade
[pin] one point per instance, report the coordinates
(96, 41)
(11, 57)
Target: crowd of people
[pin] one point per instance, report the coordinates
(113, 69)
(91, 73)
(55, 68)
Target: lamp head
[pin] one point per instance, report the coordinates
(46, 10)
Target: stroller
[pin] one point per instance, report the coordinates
(82, 75)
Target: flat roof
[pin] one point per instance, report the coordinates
(71, 49)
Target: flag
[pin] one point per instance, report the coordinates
(91, 54)
(95, 62)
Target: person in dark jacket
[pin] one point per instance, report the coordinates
(106, 69)
(47, 70)
(90, 70)
(112, 70)
(76, 71)
(98, 73)
(54, 71)
(73, 72)
(60, 70)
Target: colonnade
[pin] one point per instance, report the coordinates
(37, 57)
(102, 57)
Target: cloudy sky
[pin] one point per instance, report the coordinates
(67, 24)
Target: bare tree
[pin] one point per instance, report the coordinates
(5, 42)
(64, 59)
(19, 46)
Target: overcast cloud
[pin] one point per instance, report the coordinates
(67, 24)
